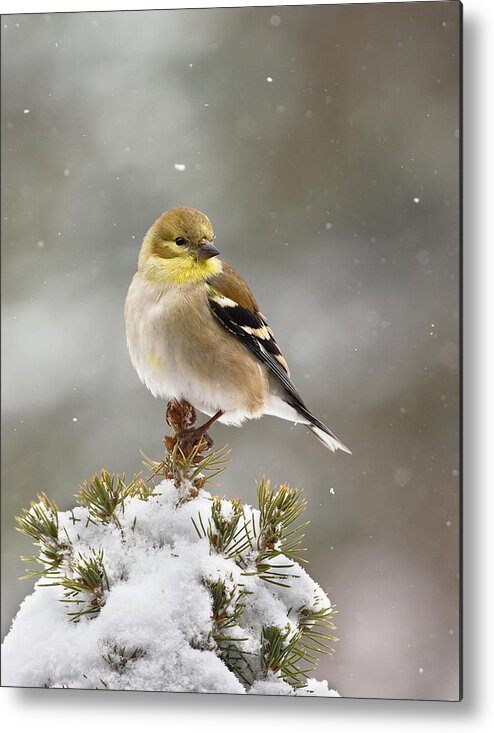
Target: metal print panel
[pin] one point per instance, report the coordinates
(231, 277)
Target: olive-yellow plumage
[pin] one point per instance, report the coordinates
(195, 331)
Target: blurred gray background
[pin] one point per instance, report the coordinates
(323, 144)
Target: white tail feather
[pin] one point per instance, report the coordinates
(275, 405)
(330, 441)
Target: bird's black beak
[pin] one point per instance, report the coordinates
(206, 250)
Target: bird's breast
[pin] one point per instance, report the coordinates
(180, 351)
(155, 323)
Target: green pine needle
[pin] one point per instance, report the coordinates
(40, 523)
(278, 533)
(118, 657)
(104, 496)
(86, 586)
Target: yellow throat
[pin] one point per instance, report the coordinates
(181, 270)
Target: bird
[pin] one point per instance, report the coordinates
(195, 332)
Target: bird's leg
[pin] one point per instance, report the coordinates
(194, 435)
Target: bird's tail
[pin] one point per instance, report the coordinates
(322, 433)
(327, 438)
(292, 408)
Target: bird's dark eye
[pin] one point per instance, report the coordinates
(180, 241)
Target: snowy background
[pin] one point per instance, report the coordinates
(323, 144)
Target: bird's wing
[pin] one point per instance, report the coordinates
(233, 304)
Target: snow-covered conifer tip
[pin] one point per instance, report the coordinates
(166, 587)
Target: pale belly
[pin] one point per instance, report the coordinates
(178, 355)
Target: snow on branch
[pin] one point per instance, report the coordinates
(159, 585)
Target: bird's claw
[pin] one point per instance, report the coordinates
(189, 439)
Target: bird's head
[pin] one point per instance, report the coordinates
(180, 244)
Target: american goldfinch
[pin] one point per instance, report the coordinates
(195, 331)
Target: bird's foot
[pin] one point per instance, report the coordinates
(181, 416)
(187, 456)
(195, 437)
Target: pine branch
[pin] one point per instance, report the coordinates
(228, 536)
(104, 496)
(314, 623)
(228, 604)
(265, 544)
(118, 657)
(279, 511)
(188, 465)
(87, 586)
(40, 523)
(280, 655)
